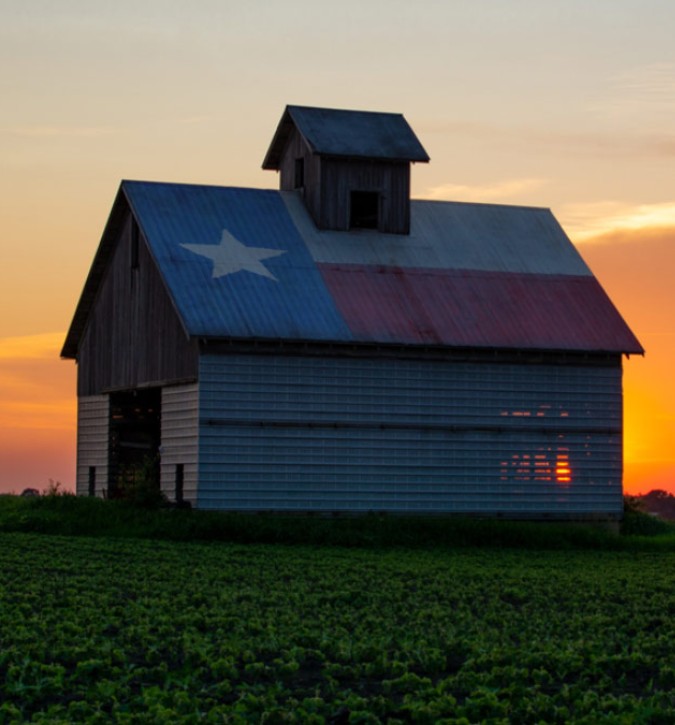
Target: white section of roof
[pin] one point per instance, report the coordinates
(451, 235)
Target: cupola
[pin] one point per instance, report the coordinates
(352, 168)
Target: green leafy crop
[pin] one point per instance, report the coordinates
(133, 631)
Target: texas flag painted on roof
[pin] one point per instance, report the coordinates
(250, 264)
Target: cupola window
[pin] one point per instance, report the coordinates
(299, 179)
(364, 210)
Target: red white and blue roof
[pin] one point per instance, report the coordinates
(250, 264)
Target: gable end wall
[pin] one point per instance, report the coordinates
(133, 336)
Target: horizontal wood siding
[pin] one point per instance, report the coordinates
(133, 336)
(92, 443)
(180, 429)
(339, 177)
(329, 434)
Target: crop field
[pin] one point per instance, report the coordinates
(113, 630)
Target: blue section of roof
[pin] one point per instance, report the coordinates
(286, 297)
(334, 132)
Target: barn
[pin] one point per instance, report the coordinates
(334, 346)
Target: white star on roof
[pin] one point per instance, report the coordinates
(231, 256)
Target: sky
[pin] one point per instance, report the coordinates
(566, 105)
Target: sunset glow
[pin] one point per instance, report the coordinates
(37, 413)
(536, 104)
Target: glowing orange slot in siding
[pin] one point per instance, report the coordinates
(563, 471)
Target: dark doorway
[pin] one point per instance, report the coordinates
(135, 435)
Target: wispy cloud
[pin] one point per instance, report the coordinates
(606, 144)
(36, 387)
(631, 141)
(511, 189)
(32, 347)
(644, 95)
(61, 131)
(585, 221)
(24, 414)
(194, 120)
(93, 132)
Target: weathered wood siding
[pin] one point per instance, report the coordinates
(355, 435)
(330, 181)
(311, 190)
(339, 177)
(180, 431)
(92, 444)
(133, 336)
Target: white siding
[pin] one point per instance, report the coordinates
(180, 429)
(92, 443)
(331, 434)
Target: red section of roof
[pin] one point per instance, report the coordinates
(467, 308)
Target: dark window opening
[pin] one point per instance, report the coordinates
(92, 481)
(364, 210)
(299, 178)
(134, 244)
(180, 477)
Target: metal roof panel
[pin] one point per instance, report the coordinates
(252, 275)
(470, 308)
(451, 235)
(356, 134)
(249, 264)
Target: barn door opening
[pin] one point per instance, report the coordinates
(135, 435)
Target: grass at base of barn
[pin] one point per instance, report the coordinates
(72, 516)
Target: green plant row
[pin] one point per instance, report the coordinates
(112, 630)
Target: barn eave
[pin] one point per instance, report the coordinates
(302, 347)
